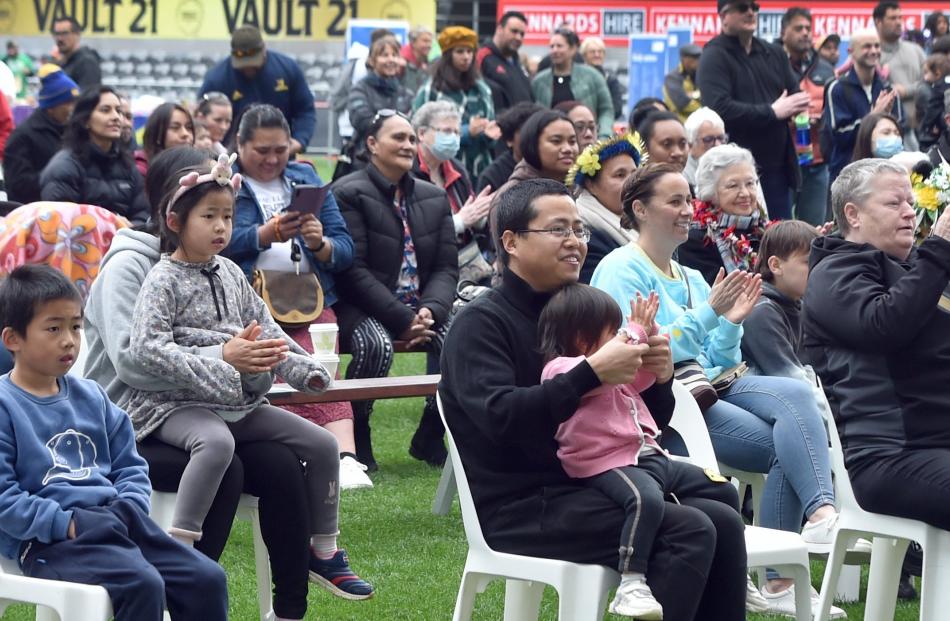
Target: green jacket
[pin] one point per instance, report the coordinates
(475, 153)
(589, 87)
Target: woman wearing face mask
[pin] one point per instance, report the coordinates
(880, 135)
(438, 125)
(455, 78)
(379, 90)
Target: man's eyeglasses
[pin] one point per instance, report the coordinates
(582, 233)
(62, 33)
(580, 128)
(709, 141)
(385, 113)
(742, 7)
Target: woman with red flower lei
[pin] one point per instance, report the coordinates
(729, 218)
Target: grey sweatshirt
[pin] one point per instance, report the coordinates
(772, 335)
(200, 305)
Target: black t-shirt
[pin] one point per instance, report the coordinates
(562, 90)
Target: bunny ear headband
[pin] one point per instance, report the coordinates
(220, 174)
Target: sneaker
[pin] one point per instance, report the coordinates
(635, 599)
(819, 536)
(754, 602)
(783, 603)
(353, 474)
(334, 574)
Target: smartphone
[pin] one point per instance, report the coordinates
(308, 199)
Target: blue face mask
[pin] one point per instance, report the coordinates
(445, 146)
(888, 146)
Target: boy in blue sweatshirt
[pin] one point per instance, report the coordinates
(74, 493)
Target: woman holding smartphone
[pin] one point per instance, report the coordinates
(269, 236)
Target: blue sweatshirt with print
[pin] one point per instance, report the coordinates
(73, 449)
(695, 331)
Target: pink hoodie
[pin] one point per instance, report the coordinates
(611, 424)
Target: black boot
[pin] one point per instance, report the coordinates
(362, 436)
(427, 443)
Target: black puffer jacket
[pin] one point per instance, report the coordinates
(109, 180)
(875, 331)
(366, 288)
(30, 148)
(370, 95)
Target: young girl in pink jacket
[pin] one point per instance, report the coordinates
(610, 443)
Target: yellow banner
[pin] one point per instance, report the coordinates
(288, 20)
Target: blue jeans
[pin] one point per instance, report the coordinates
(773, 425)
(811, 203)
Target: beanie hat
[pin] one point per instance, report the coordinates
(458, 36)
(721, 4)
(55, 87)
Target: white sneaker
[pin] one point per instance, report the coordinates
(635, 599)
(783, 603)
(820, 536)
(353, 474)
(754, 602)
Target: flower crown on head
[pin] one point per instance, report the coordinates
(590, 161)
(220, 174)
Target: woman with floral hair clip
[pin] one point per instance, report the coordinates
(596, 178)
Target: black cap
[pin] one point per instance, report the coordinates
(690, 49)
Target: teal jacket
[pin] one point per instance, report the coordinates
(589, 88)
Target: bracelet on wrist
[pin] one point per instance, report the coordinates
(275, 221)
(323, 242)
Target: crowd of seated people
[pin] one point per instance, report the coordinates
(443, 189)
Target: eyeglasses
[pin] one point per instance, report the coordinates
(62, 33)
(385, 113)
(582, 233)
(742, 7)
(709, 141)
(580, 128)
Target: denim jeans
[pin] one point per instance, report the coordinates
(773, 425)
(811, 202)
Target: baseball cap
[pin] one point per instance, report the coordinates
(247, 47)
(691, 49)
(829, 38)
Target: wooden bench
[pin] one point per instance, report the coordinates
(360, 390)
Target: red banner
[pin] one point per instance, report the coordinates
(615, 20)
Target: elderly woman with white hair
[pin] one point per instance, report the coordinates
(756, 423)
(875, 316)
(438, 127)
(729, 216)
(704, 130)
(594, 52)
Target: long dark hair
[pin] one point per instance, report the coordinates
(446, 78)
(185, 203)
(575, 319)
(153, 139)
(531, 134)
(162, 179)
(76, 135)
(863, 148)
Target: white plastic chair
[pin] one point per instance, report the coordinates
(765, 547)
(891, 536)
(163, 509)
(54, 599)
(582, 589)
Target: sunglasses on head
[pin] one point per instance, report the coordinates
(385, 113)
(742, 7)
(243, 53)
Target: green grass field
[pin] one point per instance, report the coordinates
(413, 557)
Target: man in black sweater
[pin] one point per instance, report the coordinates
(500, 65)
(504, 420)
(877, 312)
(749, 83)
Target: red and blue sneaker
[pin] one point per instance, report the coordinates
(334, 574)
